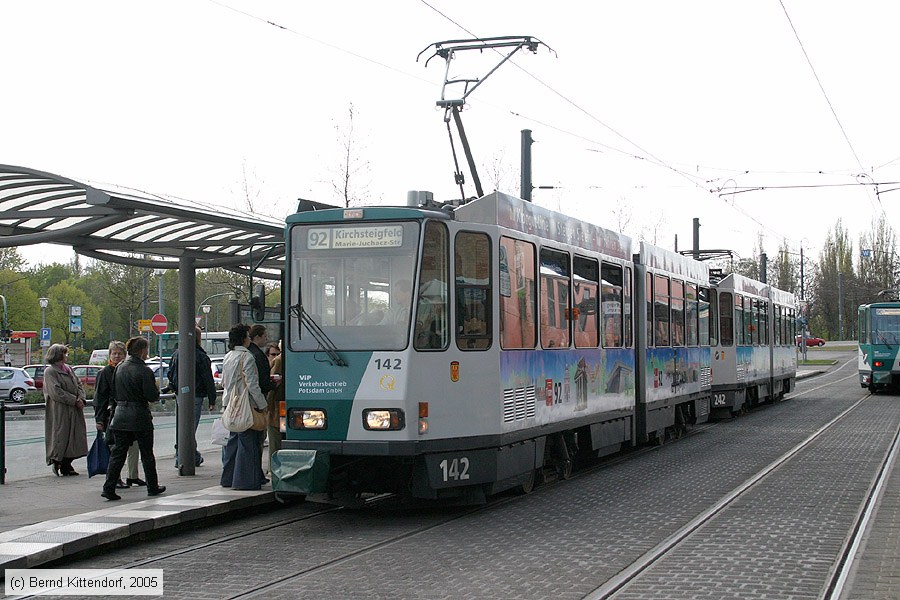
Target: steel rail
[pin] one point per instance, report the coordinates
(651, 557)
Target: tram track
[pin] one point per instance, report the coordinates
(667, 547)
(325, 563)
(848, 557)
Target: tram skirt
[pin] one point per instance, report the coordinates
(300, 471)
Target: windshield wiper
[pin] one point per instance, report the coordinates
(320, 336)
(881, 335)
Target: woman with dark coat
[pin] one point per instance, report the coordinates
(105, 405)
(242, 456)
(65, 433)
(132, 420)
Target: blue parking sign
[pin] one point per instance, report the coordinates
(45, 334)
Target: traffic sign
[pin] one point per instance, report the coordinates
(159, 323)
(45, 334)
(144, 325)
(75, 324)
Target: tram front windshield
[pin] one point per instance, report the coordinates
(355, 282)
(886, 326)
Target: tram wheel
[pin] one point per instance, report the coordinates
(527, 486)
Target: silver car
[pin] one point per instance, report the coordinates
(14, 384)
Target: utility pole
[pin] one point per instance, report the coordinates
(840, 306)
(526, 165)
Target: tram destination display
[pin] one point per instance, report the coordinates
(386, 236)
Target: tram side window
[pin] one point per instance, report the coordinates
(627, 315)
(777, 332)
(706, 308)
(555, 307)
(763, 323)
(727, 313)
(740, 331)
(691, 314)
(517, 322)
(677, 303)
(753, 331)
(432, 331)
(661, 310)
(861, 327)
(611, 306)
(473, 291)
(586, 314)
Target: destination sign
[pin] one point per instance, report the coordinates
(383, 236)
(887, 312)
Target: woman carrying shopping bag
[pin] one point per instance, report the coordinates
(242, 459)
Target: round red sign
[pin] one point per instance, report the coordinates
(159, 323)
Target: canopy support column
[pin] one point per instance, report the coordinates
(187, 384)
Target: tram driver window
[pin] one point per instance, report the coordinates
(472, 266)
(431, 324)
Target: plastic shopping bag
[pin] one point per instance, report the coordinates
(219, 433)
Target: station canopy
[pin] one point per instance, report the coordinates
(133, 227)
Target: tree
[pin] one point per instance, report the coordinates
(834, 271)
(62, 296)
(23, 309)
(11, 260)
(119, 292)
(878, 261)
(349, 184)
(784, 270)
(499, 175)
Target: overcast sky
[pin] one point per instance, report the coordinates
(639, 111)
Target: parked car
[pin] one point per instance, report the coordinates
(810, 341)
(14, 384)
(216, 366)
(36, 372)
(87, 374)
(154, 366)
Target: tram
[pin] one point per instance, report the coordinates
(457, 353)
(879, 340)
(754, 358)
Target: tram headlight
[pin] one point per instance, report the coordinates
(383, 419)
(308, 419)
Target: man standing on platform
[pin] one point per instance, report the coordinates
(205, 388)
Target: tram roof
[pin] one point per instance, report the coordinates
(132, 227)
(501, 209)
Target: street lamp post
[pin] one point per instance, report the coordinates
(205, 308)
(45, 302)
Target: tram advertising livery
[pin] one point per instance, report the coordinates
(451, 354)
(879, 340)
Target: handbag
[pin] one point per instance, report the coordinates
(98, 456)
(260, 420)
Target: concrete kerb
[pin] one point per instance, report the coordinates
(41, 543)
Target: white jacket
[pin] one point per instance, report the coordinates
(232, 381)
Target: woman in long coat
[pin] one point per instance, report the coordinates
(242, 455)
(65, 433)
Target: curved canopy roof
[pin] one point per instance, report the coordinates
(133, 227)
